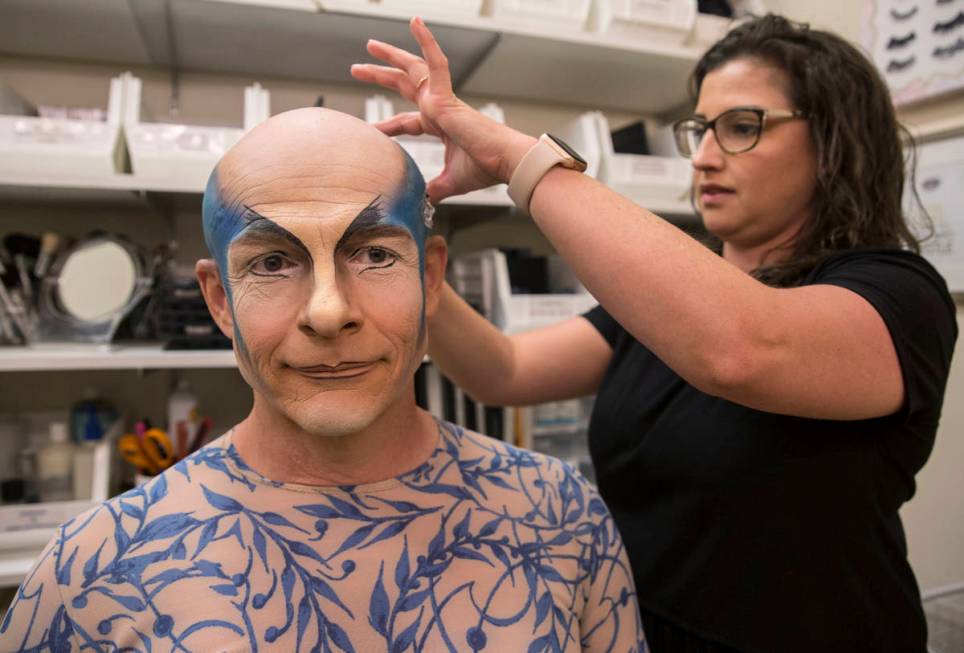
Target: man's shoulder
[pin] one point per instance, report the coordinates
(483, 459)
(173, 492)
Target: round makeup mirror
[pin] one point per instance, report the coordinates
(89, 290)
(97, 280)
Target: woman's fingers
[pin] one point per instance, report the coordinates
(391, 78)
(409, 124)
(401, 59)
(440, 79)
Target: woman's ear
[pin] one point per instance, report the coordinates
(215, 296)
(436, 258)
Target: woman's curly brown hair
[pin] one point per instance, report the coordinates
(860, 158)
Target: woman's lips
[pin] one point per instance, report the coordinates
(711, 194)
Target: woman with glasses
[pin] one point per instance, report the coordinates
(761, 409)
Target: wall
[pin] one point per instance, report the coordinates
(934, 519)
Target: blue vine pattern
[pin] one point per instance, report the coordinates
(482, 547)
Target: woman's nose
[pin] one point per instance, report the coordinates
(708, 154)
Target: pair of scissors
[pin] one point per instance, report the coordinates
(150, 451)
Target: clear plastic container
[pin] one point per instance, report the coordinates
(55, 465)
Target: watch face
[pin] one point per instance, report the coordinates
(565, 146)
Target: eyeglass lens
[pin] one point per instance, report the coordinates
(736, 131)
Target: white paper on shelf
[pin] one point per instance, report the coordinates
(568, 15)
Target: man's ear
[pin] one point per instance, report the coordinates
(214, 295)
(436, 258)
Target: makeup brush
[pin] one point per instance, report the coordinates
(49, 243)
(24, 249)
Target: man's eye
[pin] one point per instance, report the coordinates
(271, 264)
(375, 257)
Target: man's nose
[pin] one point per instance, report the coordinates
(329, 311)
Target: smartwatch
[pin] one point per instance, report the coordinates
(550, 151)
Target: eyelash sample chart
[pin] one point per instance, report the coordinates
(940, 177)
(918, 46)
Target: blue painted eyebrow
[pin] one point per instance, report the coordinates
(260, 228)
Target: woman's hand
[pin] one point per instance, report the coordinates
(478, 151)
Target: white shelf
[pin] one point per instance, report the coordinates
(118, 186)
(67, 357)
(300, 39)
(14, 565)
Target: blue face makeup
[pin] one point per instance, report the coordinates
(223, 223)
(408, 209)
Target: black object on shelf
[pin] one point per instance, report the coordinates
(528, 274)
(631, 139)
(715, 8)
(183, 320)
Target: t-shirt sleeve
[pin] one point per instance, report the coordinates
(37, 619)
(610, 619)
(914, 303)
(604, 323)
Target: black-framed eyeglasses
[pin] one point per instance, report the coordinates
(736, 130)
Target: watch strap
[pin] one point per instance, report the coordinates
(540, 159)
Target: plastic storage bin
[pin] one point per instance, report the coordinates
(646, 180)
(435, 8)
(482, 278)
(541, 14)
(655, 21)
(62, 147)
(183, 156)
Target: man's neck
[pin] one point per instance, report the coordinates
(398, 441)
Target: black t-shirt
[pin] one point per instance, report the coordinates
(771, 533)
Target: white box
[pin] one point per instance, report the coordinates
(655, 21)
(63, 147)
(483, 278)
(434, 8)
(541, 14)
(644, 179)
(183, 155)
(178, 154)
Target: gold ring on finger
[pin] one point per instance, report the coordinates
(418, 84)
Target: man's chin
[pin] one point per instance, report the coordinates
(343, 424)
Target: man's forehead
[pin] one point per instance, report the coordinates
(302, 188)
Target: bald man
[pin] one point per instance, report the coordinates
(337, 516)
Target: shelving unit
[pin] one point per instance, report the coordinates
(118, 187)
(313, 41)
(319, 39)
(128, 357)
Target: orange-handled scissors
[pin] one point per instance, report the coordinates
(150, 451)
(131, 450)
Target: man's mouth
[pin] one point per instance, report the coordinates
(339, 370)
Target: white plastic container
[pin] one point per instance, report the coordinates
(655, 21)
(183, 156)
(646, 180)
(434, 8)
(55, 464)
(568, 15)
(181, 408)
(483, 279)
(63, 147)
(650, 179)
